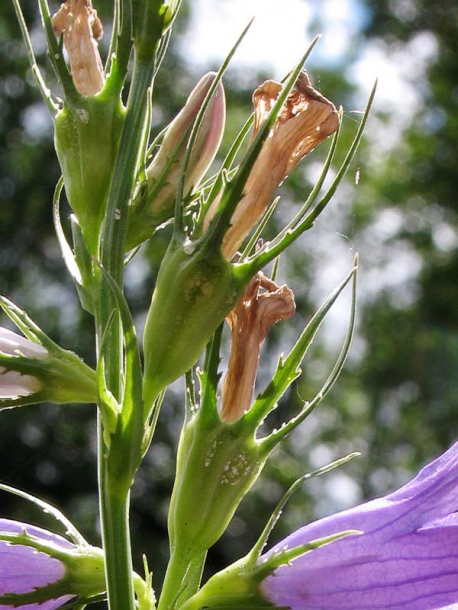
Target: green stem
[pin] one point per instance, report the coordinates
(114, 510)
(125, 171)
(182, 580)
(115, 472)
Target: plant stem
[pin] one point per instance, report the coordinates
(182, 580)
(114, 511)
(116, 468)
(125, 171)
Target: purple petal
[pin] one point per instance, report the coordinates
(15, 345)
(51, 604)
(14, 385)
(407, 557)
(23, 569)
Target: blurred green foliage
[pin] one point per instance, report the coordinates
(397, 401)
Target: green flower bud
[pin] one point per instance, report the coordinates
(86, 140)
(195, 290)
(217, 464)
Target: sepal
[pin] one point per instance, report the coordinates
(227, 209)
(288, 368)
(78, 260)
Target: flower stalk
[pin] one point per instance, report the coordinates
(115, 472)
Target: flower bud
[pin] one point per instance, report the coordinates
(195, 289)
(13, 344)
(157, 203)
(12, 383)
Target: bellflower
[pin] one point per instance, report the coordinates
(398, 552)
(12, 383)
(405, 557)
(42, 570)
(35, 369)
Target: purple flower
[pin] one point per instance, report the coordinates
(40, 570)
(405, 558)
(23, 569)
(12, 383)
(34, 369)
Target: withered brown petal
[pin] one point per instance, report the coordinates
(305, 120)
(262, 304)
(81, 28)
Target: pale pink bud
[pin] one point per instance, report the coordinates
(166, 166)
(25, 378)
(13, 344)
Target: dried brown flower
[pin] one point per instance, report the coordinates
(78, 22)
(262, 304)
(305, 120)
